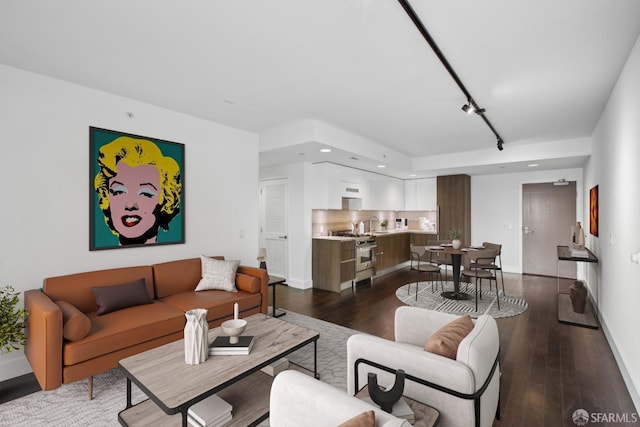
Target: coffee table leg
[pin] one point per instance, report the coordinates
(128, 393)
(315, 360)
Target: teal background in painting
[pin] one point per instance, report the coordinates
(103, 238)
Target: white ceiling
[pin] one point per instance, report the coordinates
(355, 73)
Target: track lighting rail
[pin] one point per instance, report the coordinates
(472, 105)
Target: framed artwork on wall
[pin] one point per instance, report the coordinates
(136, 190)
(593, 211)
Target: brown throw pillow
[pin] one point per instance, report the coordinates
(116, 297)
(247, 283)
(365, 419)
(76, 325)
(445, 341)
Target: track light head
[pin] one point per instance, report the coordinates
(500, 142)
(469, 108)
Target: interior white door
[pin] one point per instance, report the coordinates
(548, 212)
(274, 223)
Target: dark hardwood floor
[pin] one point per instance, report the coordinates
(549, 369)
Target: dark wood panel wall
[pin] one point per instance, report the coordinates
(453, 194)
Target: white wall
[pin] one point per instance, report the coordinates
(496, 209)
(614, 167)
(299, 233)
(44, 182)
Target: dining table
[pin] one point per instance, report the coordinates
(456, 261)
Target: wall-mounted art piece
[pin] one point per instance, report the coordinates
(136, 190)
(593, 211)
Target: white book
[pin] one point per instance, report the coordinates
(209, 411)
(222, 421)
(400, 409)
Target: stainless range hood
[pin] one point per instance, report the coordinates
(351, 204)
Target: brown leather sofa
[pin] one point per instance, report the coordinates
(122, 333)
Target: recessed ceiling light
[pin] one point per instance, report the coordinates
(382, 166)
(325, 150)
(413, 175)
(532, 165)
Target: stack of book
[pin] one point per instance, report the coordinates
(221, 346)
(276, 367)
(210, 412)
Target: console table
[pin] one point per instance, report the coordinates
(565, 309)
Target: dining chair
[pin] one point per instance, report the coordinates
(422, 263)
(479, 259)
(496, 265)
(442, 258)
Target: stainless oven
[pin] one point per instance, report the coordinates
(365, 258)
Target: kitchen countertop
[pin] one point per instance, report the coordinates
(376, 233)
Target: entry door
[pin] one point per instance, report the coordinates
(548, 212)
(274, 203)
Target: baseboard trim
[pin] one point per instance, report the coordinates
(12, 366)
(628, 381)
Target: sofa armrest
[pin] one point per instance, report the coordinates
(264, 283)
(44, 338)
(412, 359)
(300, 400)
(414, 325)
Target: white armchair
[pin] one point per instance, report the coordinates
(466, 391)
(300, 400)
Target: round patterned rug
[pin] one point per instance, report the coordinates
(509, 305)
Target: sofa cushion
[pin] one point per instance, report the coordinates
(247, 283)
(218, 274)
(175, 277)
(116, 297)
(76, 288)
(124, 328)
(365, 419)
(75, 324)
(218, 303)
(445, 341)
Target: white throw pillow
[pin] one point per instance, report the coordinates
(217, 274)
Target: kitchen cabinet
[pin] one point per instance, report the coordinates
(422, 239)
(393, 249)
(454, 202)
(333, 263)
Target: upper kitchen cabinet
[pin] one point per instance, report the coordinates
(420, 194)
(331, 183)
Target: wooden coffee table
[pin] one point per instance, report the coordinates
(173, 386)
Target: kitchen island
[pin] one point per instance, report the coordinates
(334, 258)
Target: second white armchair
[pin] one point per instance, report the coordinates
(466, 391)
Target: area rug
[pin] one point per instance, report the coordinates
(69, 405)
(509, 305)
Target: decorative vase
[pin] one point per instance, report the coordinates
(456, 243)
(578, 295)
(196, 344)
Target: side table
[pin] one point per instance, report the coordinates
(425, 416)
(273, 282)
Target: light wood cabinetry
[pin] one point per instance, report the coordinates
(393, 249)
(333, 263)
(454, 202)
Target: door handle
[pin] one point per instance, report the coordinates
(527, 230)
(282, 237)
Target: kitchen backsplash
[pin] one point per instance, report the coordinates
(325, 221)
